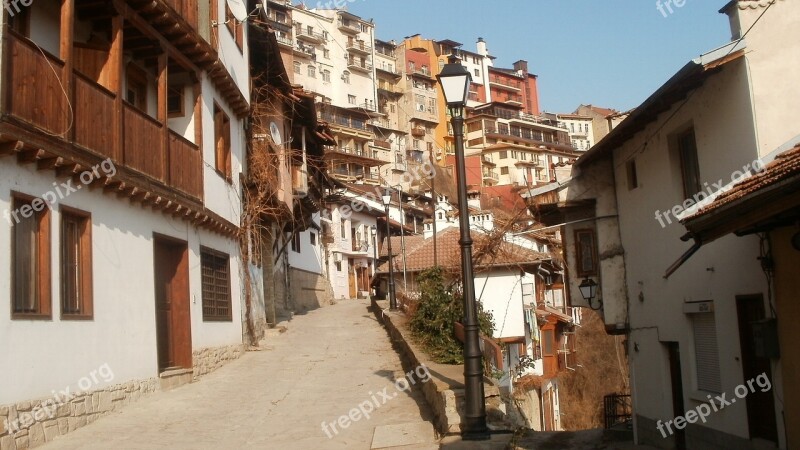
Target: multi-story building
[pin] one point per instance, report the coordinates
(123, 147)
(581, 132)
(603, 120)
(390, 133)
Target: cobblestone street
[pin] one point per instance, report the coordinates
(329, 361)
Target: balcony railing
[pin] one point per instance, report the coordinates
(305, 50)
(312, 36)
(425, 72)
(502, 82)
(285, 41)
(348, 26)
(359, 46)
(175, 162)
(381, 143)
(345, 121)
(418, 132)
(385, 52)
(358, 65)
(491, 175)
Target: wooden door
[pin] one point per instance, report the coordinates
(351, 272)
(549, 419)
(760, 405)
(173, 319)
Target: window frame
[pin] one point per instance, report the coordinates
(216, 256)
(43, 260)
(84, 219)
(689, 163)
(581, 269)
(222, 149)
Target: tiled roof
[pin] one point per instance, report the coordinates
(449, 253)
(785, 165)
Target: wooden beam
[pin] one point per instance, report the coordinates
(49, 163)
(66, 51)
(31, 155)
(8, 148)
(117, 64)
(163, 86)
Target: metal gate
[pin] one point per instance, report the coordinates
(617, 409)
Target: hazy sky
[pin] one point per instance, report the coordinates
(611, 53)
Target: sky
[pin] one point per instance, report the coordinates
(609, 53)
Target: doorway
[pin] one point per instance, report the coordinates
(173, 318)
(351, 272)
(676, 381)
(760, 405)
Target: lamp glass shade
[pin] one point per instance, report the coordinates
(386, 197)
(455, 79)
(588, 289)
(374, 230)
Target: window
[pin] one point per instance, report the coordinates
(346, 77)
(326, 53)
(586, 260)
(351, 99)
(312, 71)
(175, 103)
(234, 26)
(76, 264)
(504, 171)
(477, 73)
(504, 154)
(297, 66)
(136, 87)
(222, 139)
(633, 179)
(326, 75)
(344, 229)
(415, 144)
(296, 242)
(706, 353)
(690, 169)
(313, 238)
(30, 256)
(215, 268)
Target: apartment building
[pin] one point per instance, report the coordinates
(695, 312)
(122, 150)
(581, 130)
(390, 133)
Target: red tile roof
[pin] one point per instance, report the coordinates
(449, 253)
(785, 165)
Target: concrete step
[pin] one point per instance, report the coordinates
(406, 436)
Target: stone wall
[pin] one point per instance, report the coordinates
(309, 290)
(210, 359)
(30, 424)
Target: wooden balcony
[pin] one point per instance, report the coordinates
(36, 98)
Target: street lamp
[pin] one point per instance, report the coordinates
(588, 291)
(455, 80)
(387, 199)
(374, 230)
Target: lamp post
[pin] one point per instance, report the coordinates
(387, 199)
(455, 80)
(374, 231)
(588, 289)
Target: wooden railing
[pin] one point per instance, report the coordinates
(185, 165)
(94, 117)
(143, 148)
(34, 89)
(187, 9)
(37, 94)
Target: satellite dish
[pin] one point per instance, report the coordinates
(238, 9)
(275, 131)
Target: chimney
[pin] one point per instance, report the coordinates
(474, 200)
(521, 66)
(481, 46)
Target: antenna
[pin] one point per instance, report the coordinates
(238, 9)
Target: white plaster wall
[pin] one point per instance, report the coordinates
(721, 114)
(51, 354)
(220, 196)
(500, 292)
(234, 59)
(309, 257)
(340, 279)
(773, 49)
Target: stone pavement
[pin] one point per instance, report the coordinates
(328, 362)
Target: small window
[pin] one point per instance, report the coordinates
(504, 154)
(296, 242)
(175, 102)
(76, 264)
(690, 168)
(297, 66)
(222, 139)
(326, 53)
(585, 253)
(504, 171)
(346, 77)
(326, 75)
(313, 238)
(215, 268)
(344, 229)
(706, 352)
(477, 72)
(312, 71)
(234, 26)
(633, 179)
(351, 99)
(30, 256)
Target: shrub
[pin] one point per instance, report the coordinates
(437, 310)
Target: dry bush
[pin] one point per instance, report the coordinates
(603, 370)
